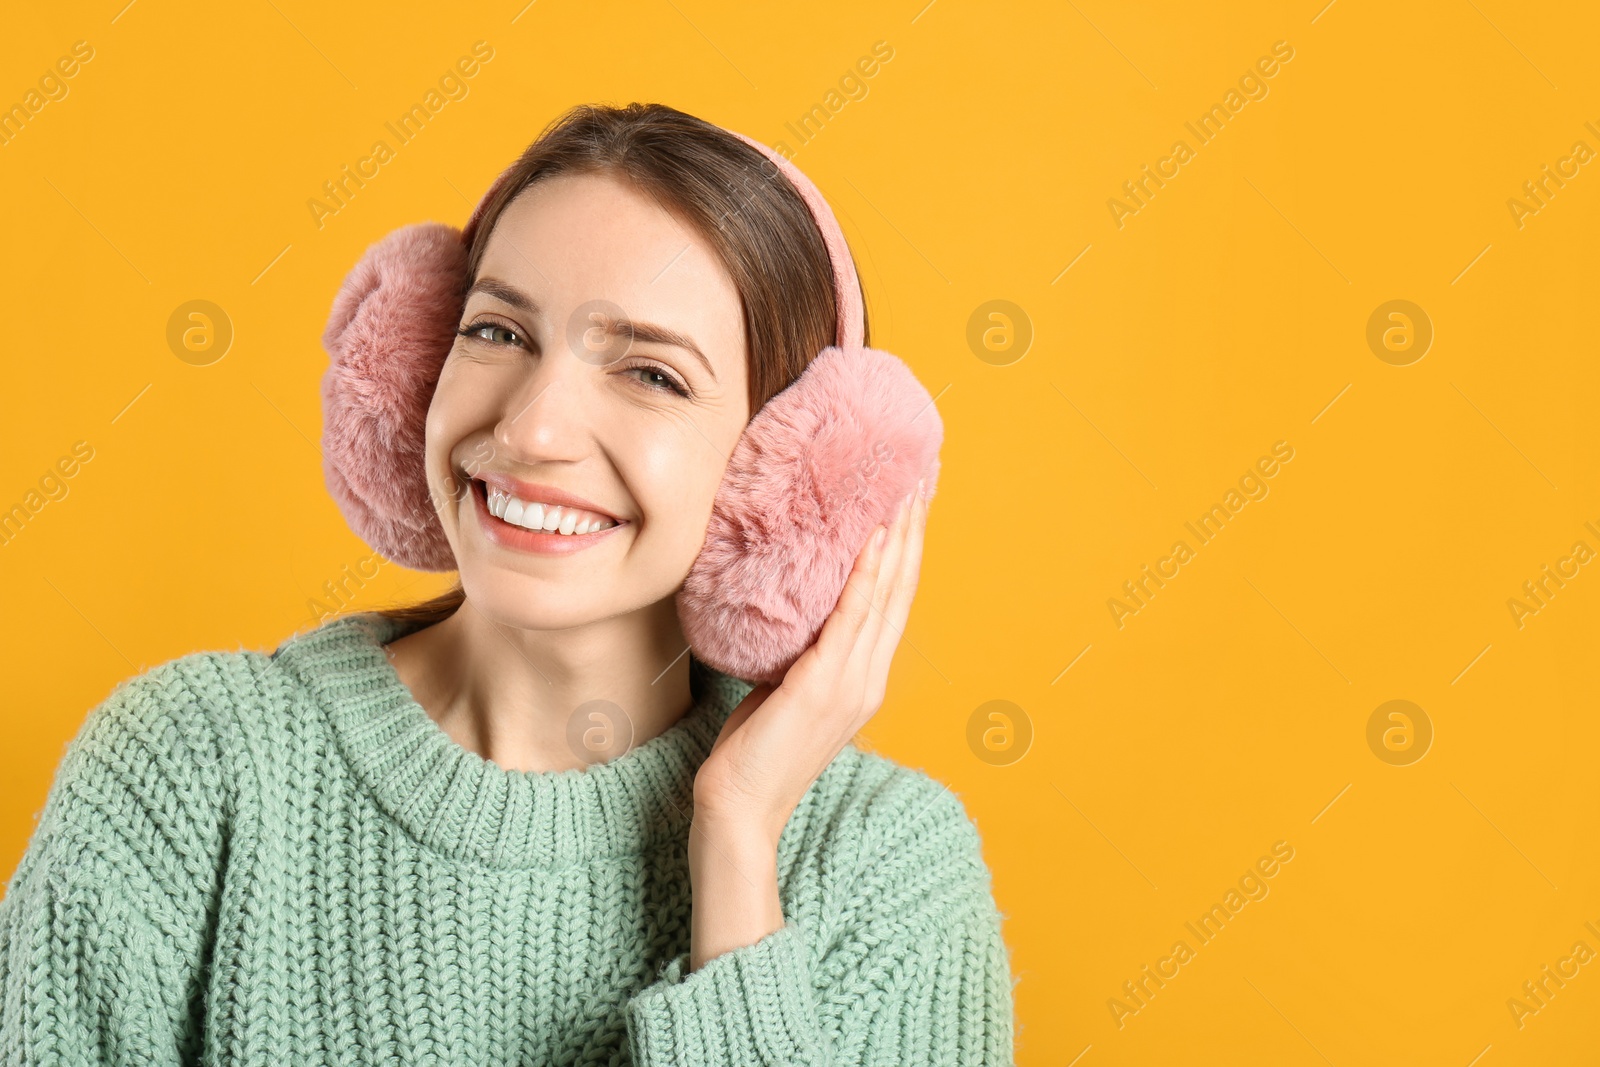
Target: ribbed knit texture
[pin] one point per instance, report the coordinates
(283, 860)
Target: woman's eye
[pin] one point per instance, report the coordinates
(476, 330)
(656, 378)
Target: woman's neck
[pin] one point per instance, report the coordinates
(541, 701)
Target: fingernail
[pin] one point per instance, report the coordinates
(878, 538)
(921, 487)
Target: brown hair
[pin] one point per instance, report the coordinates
(733, 196)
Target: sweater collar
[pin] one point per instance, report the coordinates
(457, 803)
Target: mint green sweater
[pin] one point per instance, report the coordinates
(283, 860)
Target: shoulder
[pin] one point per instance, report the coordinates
(894, 837)
(146, 781)
(176, 717)
(898, 804)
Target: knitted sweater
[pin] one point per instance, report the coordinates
(270, 860)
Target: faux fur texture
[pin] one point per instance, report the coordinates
(817, 468)
(391, 327)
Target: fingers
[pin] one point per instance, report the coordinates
(893, 552)
(898, 608)
(853, 631)
(901, 588)
(854, 649)
(843, 627)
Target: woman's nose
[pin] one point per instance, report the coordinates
(547, 416)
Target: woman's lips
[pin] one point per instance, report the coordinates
(520, 538)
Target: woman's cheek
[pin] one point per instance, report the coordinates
(673, 481)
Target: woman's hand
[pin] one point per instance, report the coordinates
(779, 739)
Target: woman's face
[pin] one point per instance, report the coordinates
(549, 384)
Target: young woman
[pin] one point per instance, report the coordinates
(391, 841)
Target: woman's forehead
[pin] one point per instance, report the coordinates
(571, 211)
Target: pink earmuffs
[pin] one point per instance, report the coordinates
(816, 469)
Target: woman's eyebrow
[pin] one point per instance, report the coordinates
(506, 294)
(647, 332)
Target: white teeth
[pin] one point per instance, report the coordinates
(534, 515)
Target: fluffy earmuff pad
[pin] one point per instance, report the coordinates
(392, 325)
(817, 468)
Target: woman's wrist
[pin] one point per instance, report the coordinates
(733, 874)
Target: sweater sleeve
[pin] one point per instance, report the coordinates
(102, 923)
(916, 972)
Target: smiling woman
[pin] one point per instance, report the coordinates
(648, 218)
(524, 822)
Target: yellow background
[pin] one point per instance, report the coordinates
(1229, 313)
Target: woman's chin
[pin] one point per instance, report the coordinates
(524, 603)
